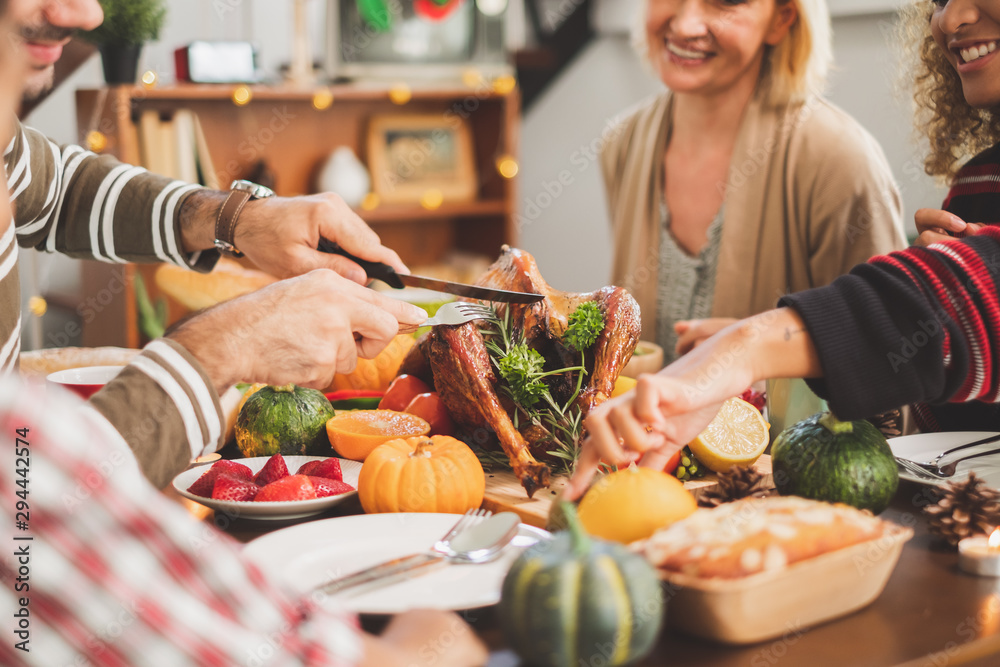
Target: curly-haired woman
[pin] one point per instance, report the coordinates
(740, 182)
(957, 92)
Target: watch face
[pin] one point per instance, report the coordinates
(256, 191)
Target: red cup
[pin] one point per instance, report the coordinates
(84, 381)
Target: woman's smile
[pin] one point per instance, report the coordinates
(685, 55)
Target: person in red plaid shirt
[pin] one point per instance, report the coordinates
(118, 575)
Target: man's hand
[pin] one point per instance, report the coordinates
(934, 226)
(302, 330)
(280, 234)
(425, 638)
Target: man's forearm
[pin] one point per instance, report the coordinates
(197, 219)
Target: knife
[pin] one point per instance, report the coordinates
(390, 277)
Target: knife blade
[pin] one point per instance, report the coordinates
(390, 277)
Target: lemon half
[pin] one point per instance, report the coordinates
(736, 437)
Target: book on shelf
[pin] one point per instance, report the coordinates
(176, 147)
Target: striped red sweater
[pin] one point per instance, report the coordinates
(917, 326)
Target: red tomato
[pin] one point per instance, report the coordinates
(401, 391)
(430, 408)
(673, 462)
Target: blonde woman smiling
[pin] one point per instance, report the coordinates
(740, 183)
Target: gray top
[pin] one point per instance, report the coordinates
(687, 284)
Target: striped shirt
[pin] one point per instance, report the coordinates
(920, 325)
(117, 575)
(72, 201)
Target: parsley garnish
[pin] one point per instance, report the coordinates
(522, 378)
(586, 324)
(523, 369)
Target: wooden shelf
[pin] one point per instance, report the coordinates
(340, 92)
(415, 213)
(281, 127)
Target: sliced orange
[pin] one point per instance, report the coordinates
(251, 390)
(356, 433)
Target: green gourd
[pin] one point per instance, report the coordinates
(824, 458)
(288, 420)
(575, 600)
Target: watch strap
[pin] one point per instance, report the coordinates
(225, 223)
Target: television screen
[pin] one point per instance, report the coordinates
(414, 32)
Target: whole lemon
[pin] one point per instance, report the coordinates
(622, 385)
(632, 504)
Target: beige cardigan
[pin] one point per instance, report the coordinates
(810, 195)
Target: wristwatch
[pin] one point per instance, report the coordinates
(225, 225)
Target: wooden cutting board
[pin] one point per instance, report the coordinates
(504, 493)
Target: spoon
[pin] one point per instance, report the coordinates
(482, 543)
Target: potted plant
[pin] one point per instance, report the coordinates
(127, 25)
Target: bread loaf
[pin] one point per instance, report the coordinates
(757, 535)
(201, 290)
(39, 363)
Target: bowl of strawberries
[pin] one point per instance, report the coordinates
(276, 487)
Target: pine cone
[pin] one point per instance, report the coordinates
(968, 508)
(735, 484)
(890, 423)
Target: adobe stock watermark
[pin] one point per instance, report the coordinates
(929, 331)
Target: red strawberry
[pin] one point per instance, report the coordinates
(272, 471)
(329, 487)
(230, 487)
(308, 468)
(233, 468)
(293, 487)
(203, 485)
(329, 468)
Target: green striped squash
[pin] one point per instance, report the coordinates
(575, 600)
(288, 420)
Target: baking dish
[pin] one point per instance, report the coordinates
(769, 604)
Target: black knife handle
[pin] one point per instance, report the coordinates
(376, 270)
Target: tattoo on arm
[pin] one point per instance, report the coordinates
(789, 332)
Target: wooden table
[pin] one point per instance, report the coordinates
(929, 615)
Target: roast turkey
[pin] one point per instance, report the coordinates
(456, 361)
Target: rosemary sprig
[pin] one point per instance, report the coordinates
(521, 370)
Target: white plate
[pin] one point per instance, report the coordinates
(313, 553)
(292, 509)
(926, 446)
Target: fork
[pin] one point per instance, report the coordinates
(938, 471)
(455, 312)
(976, 443)
(391, 570)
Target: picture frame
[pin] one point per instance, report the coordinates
(413, 157)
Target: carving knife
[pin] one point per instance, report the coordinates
(390, 277)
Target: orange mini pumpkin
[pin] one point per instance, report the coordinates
(422, 474)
